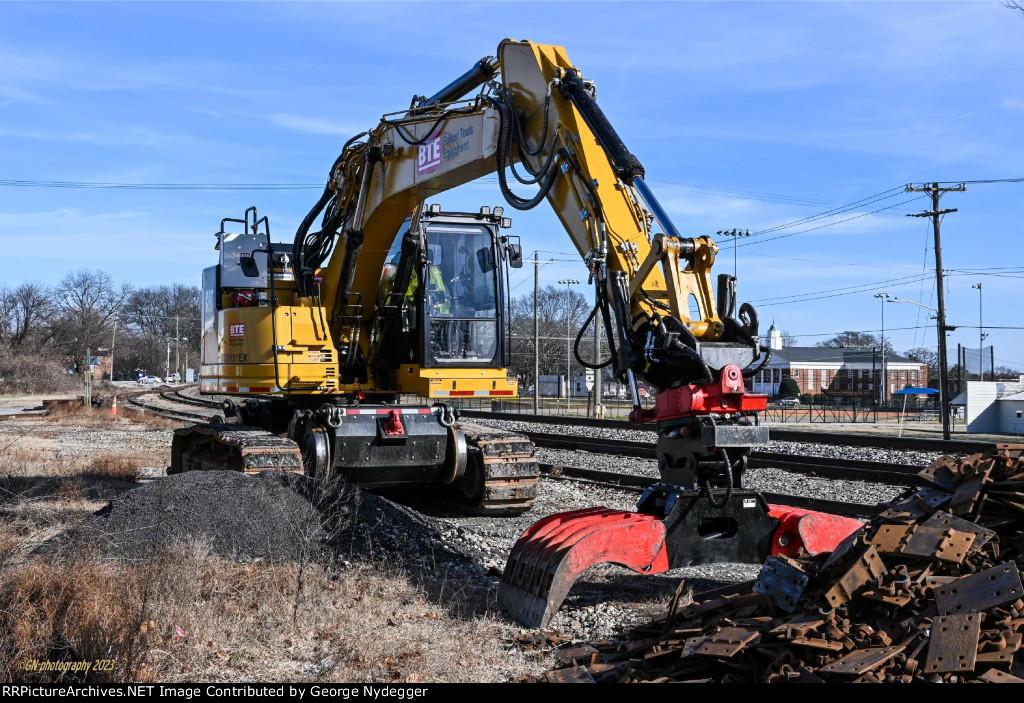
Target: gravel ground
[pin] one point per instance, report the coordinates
(448, 552)
(117, 436)
(763, 479)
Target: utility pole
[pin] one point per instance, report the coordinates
(113, 339)
(981, 339)
(536, 329)
(936, 214)
(87, 394)
(885, 378)
(959, 370)
(177, 357)
(568, 344)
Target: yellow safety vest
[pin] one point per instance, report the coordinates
(436, 284)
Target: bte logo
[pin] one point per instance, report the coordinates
(237, 330)
(429, 155)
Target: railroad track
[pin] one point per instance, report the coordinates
(179, 397)
(637, 484)
(138, 403)
(825, 467)
(845, 439)
(829, 468)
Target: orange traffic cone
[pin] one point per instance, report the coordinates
(113, 408)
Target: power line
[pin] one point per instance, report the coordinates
(988, 180)
(745, 194)
(871, 199)
(846, 290)
(830, 224)
(159, 186)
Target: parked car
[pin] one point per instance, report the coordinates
(788, 402)
(150, 379)
(174, 378)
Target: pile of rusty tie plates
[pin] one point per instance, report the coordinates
(929, 590)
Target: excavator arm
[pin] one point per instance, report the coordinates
(537, 119)
(533, 119)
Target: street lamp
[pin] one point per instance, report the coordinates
(981, 338)
(885, 378)
(568, 366)
(735, 234)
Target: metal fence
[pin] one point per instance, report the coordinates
(821, 412)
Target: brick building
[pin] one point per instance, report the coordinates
(836, 372)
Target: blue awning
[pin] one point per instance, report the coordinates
(917, 391)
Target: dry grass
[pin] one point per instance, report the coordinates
(78, 415)
(184, 615)
(33, 474)
(112, 467)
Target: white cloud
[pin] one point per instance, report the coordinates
(313, 125)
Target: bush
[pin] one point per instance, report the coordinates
(806, 399)
(35, 372)
(789, 388)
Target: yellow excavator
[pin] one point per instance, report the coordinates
(319, 338)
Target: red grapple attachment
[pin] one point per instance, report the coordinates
(811, 531)
(553, 552)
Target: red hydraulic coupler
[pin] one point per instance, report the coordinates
(393, 426)
(728, 395)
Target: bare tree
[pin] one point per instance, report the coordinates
(1014, 5)
(85, 302)
(859, 341)
(925, 355)
(24, 313)
(556, 307)
(153, 318)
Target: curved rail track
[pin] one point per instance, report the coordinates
(845, 439)
(638, 484)
(823, 467)
(137, 402)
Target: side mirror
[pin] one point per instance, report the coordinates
(485, 257)
(515, 256)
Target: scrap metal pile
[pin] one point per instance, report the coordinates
(929, 590)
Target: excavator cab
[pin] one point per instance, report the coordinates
(447, 289)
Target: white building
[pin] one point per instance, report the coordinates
(993, 407)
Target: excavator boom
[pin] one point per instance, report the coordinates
(380, 294)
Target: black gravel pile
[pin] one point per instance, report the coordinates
(240, 517)
(274, 517)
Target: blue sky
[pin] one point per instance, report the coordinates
(745, 115)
